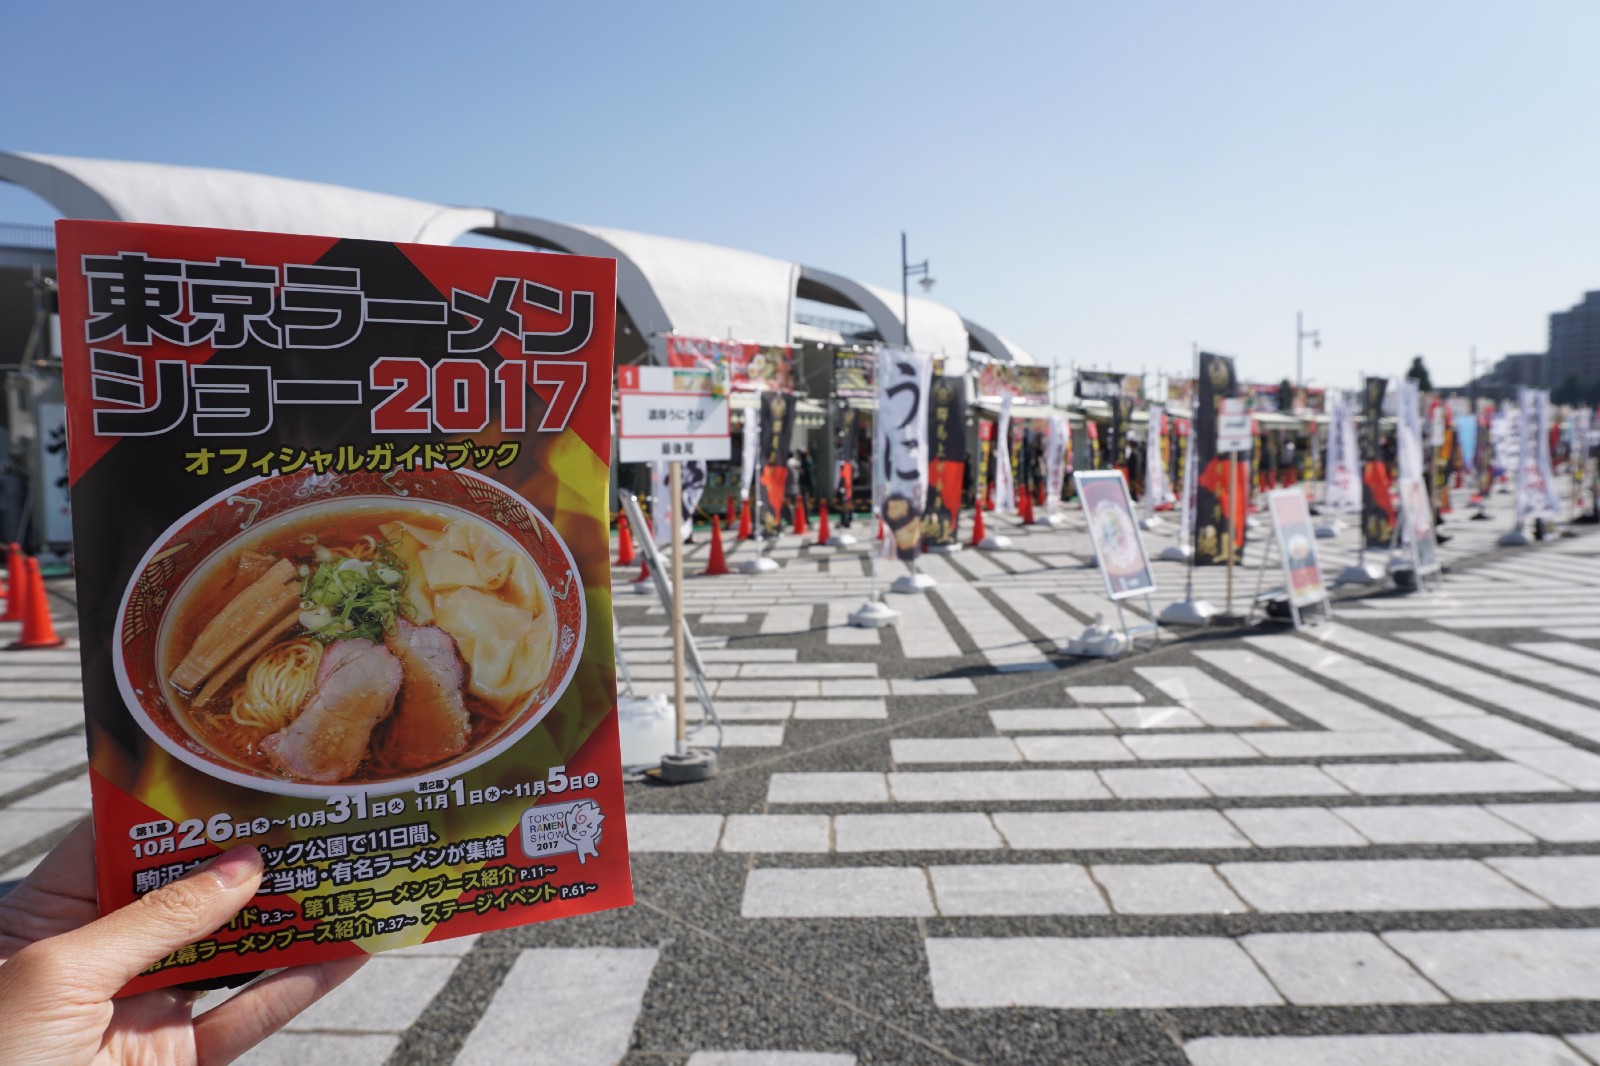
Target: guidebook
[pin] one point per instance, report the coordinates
(340, 521)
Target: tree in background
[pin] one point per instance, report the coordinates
(1419, 374)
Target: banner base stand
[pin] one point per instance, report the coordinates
(913, 584)
(1055, 521)
(688, 766)
(994, 544)
(874, 614)
(945, 549)
(1236, 620)
(1150, 522)
(1187, 613)
(1097, 642)
(1517, 538)
(644, 588)
(1330, 529)
(841, 540)
(759, 565)
(1360, 574)
(1176, 553)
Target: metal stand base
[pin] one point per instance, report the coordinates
(1330, 529)
(841, 540)
(945, 549)
(1361, 574)
(1150, 522)
(694, 764)
(1056, 521)
(874, 614)
(1096, 642)
(1187, 613)
(1176, 553)
(1231, 619)
(993, 543)
(1517, 538)
(912, 584)
(759, 565)
(644, 588)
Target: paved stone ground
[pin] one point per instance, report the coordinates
(1377, 842)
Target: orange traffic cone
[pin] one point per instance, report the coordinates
(16, 582)
(747, 529)
(824, 534)
(1025, 507)
(880, 529)
(644, 571)
(978, 532)
(37, 630)
(800, 529)
(730, 518)
(717, 562)
(624, 544)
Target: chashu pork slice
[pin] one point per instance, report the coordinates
(355, 689)
(430, 722)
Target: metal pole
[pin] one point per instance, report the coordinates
(1299, 344)
(905, 294)
(676, 506)
(1233, 507)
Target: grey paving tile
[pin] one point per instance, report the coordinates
(1103, 830)
(852, 709)
(409, 985)
(953, 749)
(836, 787)
(1195, 746)
(673, 832)
(957, 831)
(1506, 965)
(1580, 769)
(776, 832)
(19, 827)
(1564, 880)
(1145, 717)
(1329, 745)
(771, 1058)
(1338, 969)
(1415, 779)
(981, 786)
(1091, 695)
(1555, 822)
(1405, 1049)
(1167, 888)
(1374, 885)
(604, 987)
(1015, 889)
(1152, 783)
(1072, 749)
(1431, 825)
(61, 754)
(297, 1049)
(933, 686)
(1267, 781)
(1110, 973)
(861, 892)
(69, 795)
(1041, 719)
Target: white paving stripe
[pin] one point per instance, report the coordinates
(1406, 1049)
(1001, 644)
(583, 1001)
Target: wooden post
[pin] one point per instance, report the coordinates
(675, 513)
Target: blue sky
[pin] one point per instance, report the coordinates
(1102, 182)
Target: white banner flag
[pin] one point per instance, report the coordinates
(900, 448)
(1578, 465)
(1055, 459)
(751, 452)
(1503, 441)
(1186, 536)
(692, 482)
(1408, 436)
(1550, 504)
(1005, 490)
(1157, 489)
(1531, 495)
(1341, 490)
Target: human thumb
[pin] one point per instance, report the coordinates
(99, 958)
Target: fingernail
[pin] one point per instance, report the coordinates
(235, 866)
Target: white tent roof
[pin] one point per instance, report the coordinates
(232, 199)
(711, 291)
(934, 328)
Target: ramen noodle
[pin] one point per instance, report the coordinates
(355, 642)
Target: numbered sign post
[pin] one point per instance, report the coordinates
(1233, 437)
(1295, 539)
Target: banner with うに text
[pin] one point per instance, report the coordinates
(900, 448)
(1056, 440)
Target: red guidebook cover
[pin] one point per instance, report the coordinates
(339, 510)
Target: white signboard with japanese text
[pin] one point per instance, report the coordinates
(666, 413)
(1233, 427)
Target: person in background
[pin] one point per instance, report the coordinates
(61, 964)
(808, 479)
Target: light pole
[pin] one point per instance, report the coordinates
(1300, 334)
(909, 270)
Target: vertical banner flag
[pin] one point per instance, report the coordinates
(1341, 472)
(900, 448)
(340, 508)
(844, 478)
(1117, 440)
(985, 451)
(777, 430)
(1578, 465)
(660, 509)
(1408, 430)
(692, 480)
(1466, 427)
(1219, 507)
(1157, 489)
(1058, 436)
(1550, 505)
(1377, 509)
(1005, 487)
(947, 465)
(750, 454)
(1187, 504)
(1530, 492)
